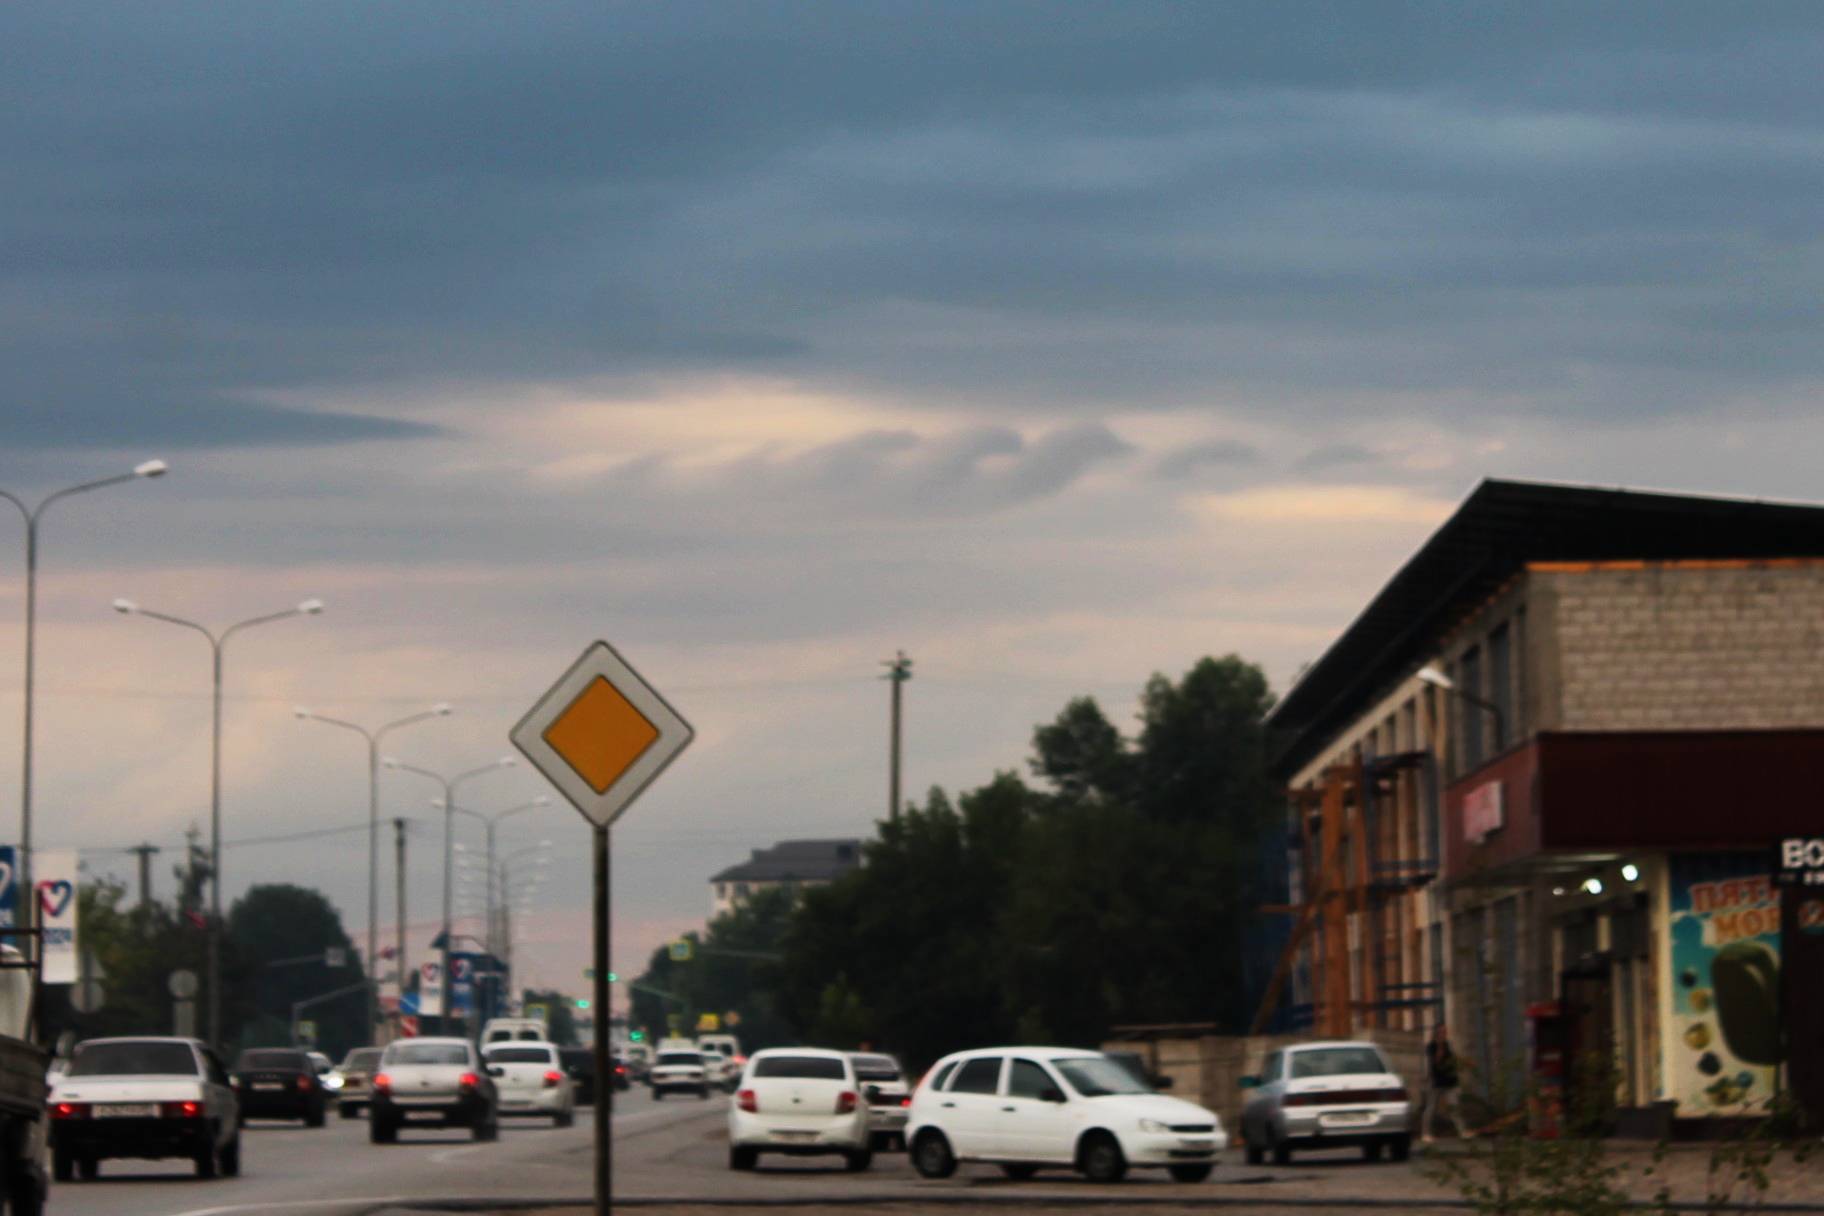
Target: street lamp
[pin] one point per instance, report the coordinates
(440, 710)
(449, 785)
(1437, 679)
(506, 895)
(491, 822)
(217, 641)
(31, 515)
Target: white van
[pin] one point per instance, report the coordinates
(514, 1030)
(727, 1044)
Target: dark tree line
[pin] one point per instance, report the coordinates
(1123, 886)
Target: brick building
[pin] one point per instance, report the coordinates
(1535, 783)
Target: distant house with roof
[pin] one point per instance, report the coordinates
(793, 864)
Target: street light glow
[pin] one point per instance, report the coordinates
(311, 607)
(125, 606)
(151, 468)
(1431, 675)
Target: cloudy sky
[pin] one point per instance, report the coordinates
(1057, 344)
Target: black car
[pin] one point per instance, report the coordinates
(279, 1083)
(579, 1063)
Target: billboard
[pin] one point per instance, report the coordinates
(1722, 974)
(54, 877)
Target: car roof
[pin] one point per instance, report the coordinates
(487, 1047)
(141, 1038)
(1039, 1053)
(822, 1052)
(1330, 1043)
(440, 1041)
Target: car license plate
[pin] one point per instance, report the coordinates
(794, 1135)
(1346, 1118)
(126, 1110)
(269, 1085)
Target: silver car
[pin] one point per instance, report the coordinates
(1323, 1096)
(438, 1080)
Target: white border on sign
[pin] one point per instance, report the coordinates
(601, 659)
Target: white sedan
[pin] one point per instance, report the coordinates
(532, 1080)
(798, 1101)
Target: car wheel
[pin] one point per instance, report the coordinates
(1400, 1148)
(229, 1161)
(858, 1159)
(381, 1130)
(89, 1168)
(563, 1118)
(931, 1156)
(63, 1165)
(345, 1110)
(1190, 1173)
(703, 1094)
(1100, 1158)
(1371, 1151)
(205, 1155)
(1019, 1173)
(742, 1157)
(658, 1095)
(1281, 1154)
(1255, 1154)
(314, 1117)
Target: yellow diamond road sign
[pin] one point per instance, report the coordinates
(602, 734)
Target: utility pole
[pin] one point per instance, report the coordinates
(399, 926)
(145, 852)
(899, 670)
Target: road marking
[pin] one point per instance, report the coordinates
(444, 1157)
(283, 1205)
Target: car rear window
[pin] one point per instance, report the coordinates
(876, 1068)
(681, 1057)
(1336, 1062)
(518, 1055)
(427, 1053)
(133, 1059)
(809, 1068)
(367, 1057)
(291, 1061)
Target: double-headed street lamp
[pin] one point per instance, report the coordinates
(491, 822)
(373, 737)
(217, 641)
(449, 785)
(150, 468)
(507, 892)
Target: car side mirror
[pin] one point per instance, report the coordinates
(1051, 1093)
(1251, 1081)
(1161, 1082)
(495, 1070)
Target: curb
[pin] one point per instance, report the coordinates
(968, 1199)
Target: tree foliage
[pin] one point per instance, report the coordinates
(1124, 887)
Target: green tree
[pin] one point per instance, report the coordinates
(280, 934)
(560, 1014)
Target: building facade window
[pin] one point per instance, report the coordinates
(1469, 679)
(1500, 686)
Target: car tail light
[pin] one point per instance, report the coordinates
(306, 1082)
(180, 1110)
(70, 1110)
(845, 1101)
(468, 1080)
(906, 1101)
(381, 1084)
(553, 1079)
(748, 1101)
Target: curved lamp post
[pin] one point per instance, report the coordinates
(31, 515)
(217, 641)
(441, 710)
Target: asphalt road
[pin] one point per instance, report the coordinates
(674, 1148)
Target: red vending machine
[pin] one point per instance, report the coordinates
(1547, 1032)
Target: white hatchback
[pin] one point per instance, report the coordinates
(532, 1080)
(799, 1101)
(1032, 1108)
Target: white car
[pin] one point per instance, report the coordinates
(515, 1030)
(533, 1081)
(1334, 1094)
(721, 1071)
(1032, 1108)
(800, 1101)
(439, 1080)
(889, 1099)
(152, 1097)
(678, 1072)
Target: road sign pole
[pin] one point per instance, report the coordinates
(604, 1076)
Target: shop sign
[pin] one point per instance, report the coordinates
(1482, 812)
(1725, 1045)
(1798, 861)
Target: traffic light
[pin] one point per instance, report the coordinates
(582, 1002)
(636, 1035)
(613, 978)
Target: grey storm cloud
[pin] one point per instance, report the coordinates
(1335, 456)
(211, 208)
(1193, 458)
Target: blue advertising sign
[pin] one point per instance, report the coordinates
(462, 983)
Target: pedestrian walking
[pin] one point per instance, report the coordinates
(1440, 1083)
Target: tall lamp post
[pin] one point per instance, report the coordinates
(506, 902)
(217, 642)
(491, 822)
(449, 785)
(31, 515)
(441, 710)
